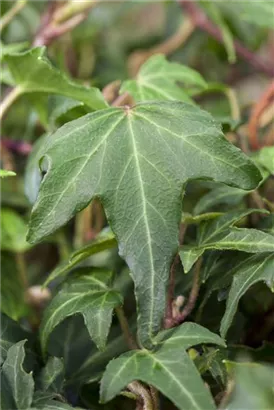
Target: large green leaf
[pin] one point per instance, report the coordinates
(164, 144)
(255, 269)
(17, 385)
(219, 234)
(171, 363)
(51, 377)
(86, 292)
(13, 232)
(11, 333)
(32, 72)
(105, 240)
(158, 80)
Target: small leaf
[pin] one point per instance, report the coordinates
(33, 175)
(51, 377)
(13, 230)
(141, 189)
(255, 269)
(30, 67)
(219, 234)
(86, 292)
(253, 386)
(220, 195)
(157, 80)
(105, 240)
(13, 301)
(19, 383)
(60, 106)
(11, 333)
(260, 13)
(188, 334)
(265, 158)
(12, 48)
(4, 173)
(170, 362)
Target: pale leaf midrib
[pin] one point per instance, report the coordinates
(149, 243)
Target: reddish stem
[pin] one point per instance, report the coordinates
(257, 111)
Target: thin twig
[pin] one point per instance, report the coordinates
(193, 294)
(22, 269)
(125, 328)
(200, 19)
(257, 112)
(6, 19)
(9, 100)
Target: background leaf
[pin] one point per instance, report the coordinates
(185, 388)
(256, 268)
(16, 381)
(105, 240)
(51, 377)
(29, 67)
(147, 211)
(11, 333)
(158, 80)
(86, 292)
(13, 230)
(219, 234)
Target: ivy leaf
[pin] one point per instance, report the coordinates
(33, 72)
(265, 158)
(12, 48)
(215, 15)
(220, 195)
(218, 234)
(106, 240)
(11, 333)
(141, 190)
(255, 269)
(33, 175)
(13, 230)
(51, 378)
(170, 361)
(157, 80)
(13, 302)
(86, 292)
(16, 382)
(260, 13)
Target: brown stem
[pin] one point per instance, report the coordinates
(200, 19)
(168, 321)
(138, 57)
(138, 389)
(125, 328)
(257, 112)
(123, 99)
(22, 269)
(193, 294)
